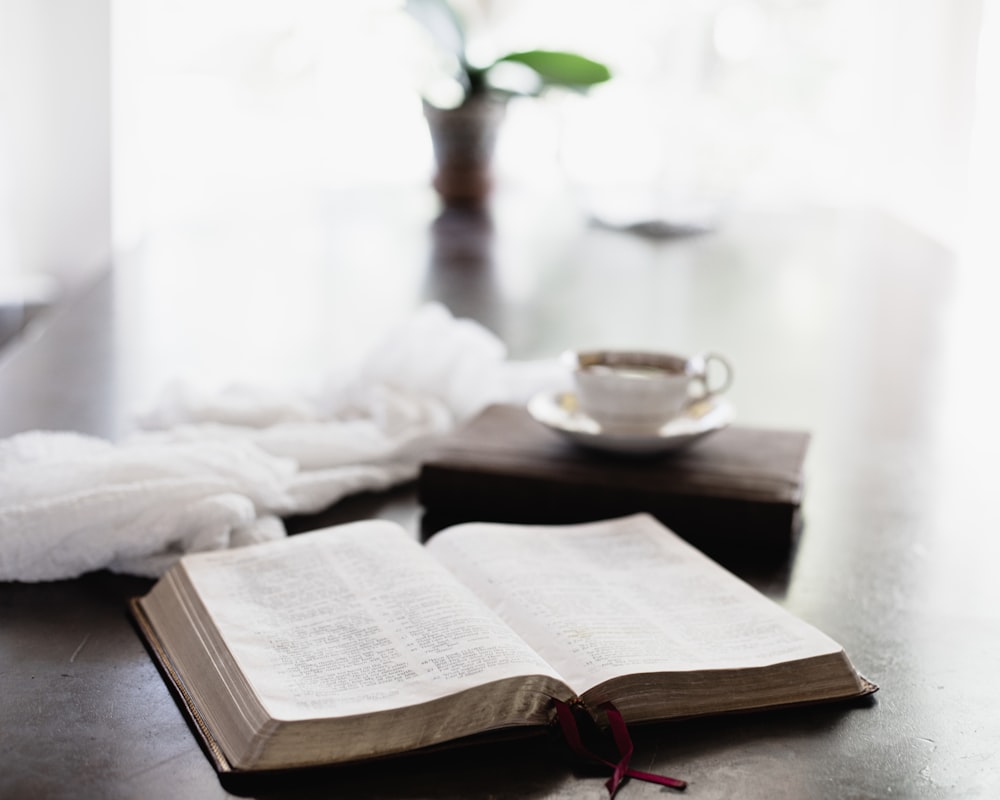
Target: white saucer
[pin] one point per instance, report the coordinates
(560, 412)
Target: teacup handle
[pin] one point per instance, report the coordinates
(701, 363)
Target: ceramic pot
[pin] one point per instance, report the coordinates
(464, 139)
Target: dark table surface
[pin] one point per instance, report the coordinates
(845, 323)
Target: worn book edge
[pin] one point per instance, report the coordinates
(178, 687)
(210, 745)
(222, 765)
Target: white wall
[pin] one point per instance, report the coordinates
(854, 98)
(55, 143)
(756, 101)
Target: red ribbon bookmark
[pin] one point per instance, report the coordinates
(620, 769)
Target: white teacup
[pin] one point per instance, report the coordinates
(642, 390)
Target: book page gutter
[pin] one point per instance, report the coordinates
(603, 600)
(354, 621)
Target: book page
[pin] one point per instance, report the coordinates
(353, 620)
(608, 599)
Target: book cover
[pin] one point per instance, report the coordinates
(736, 494)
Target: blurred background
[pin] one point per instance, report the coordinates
(124, 119)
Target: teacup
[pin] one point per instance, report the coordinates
(622, 389)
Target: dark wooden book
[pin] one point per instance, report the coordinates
(356, 642)
(735, 494)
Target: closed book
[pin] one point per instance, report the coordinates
(735, 494)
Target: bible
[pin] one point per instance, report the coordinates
(356, 642)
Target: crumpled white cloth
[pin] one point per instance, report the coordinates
(210, 471)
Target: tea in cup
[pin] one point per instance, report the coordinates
(621, 389)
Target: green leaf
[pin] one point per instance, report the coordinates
(561, 69)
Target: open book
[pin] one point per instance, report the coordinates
(356, 642)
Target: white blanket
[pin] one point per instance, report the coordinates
(216, 471)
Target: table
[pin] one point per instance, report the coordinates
(843, 322)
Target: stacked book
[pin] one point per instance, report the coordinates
(735, 494)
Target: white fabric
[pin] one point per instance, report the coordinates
(216, 471)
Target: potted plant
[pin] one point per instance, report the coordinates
(464, 132)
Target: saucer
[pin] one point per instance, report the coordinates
(560, 412)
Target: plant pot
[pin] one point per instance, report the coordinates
(464, 139)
